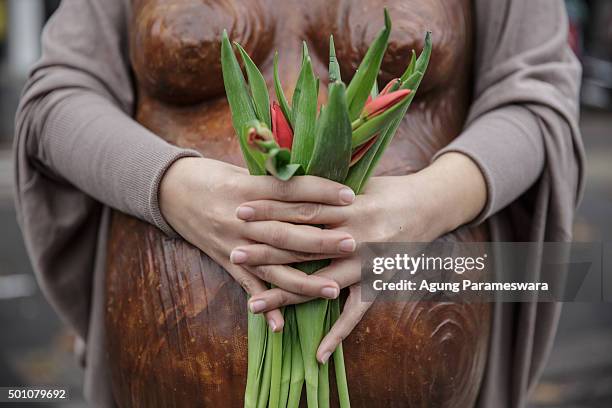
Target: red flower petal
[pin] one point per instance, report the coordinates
(388, 87)
(254, 139)
(361, 150)
(280, 127)
(384, 102)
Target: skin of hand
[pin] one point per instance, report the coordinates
(198, 198)
(419, 207)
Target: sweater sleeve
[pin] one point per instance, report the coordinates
(525, 75)
(77, 108)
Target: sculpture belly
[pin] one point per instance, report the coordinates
(177, 336)
(176, 321)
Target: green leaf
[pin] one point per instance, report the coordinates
(310, 319)
(323, 395)
(275, 377)
(411, 68)
(423, 60)
(304, 106)
(332, 151)
(334, 67)
(280, 94)
(279, 164)
(371, 127)
(287, 356)
(305, 53)
(277, 160)
(368, 129)
(363, 169)
(297, 364)
(339, 367)
(310, 322)
(374, 91)
(411, 83)
(257, 338)
(240, 104)
(361, 84)
(259, 89)
(264, 391)
(357, 173)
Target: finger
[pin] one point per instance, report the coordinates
(263, 254)
(275, 298)
(296, 281)
(299, 213)
(254, 286)
(302, 238)
(344, 272)
(275, 320)
(304, 188)
(353, 311)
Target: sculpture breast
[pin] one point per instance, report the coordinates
(175, 320)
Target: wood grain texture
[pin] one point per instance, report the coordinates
(175, 320)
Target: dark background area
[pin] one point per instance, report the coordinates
(36, 348)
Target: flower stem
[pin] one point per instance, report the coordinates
(339, 368)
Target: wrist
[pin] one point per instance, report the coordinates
(173, 188)
(453, 192)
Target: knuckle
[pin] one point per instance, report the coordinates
(278, 236)
(264, 254)
(305, 256)
(282, 189)
(282, 298)
(358, 314)
(323, 245)
(308, 212)
(218, 223)
(301, 285)
(233, 183)
(263, 272)
(339, 337)
(350, 212)
(322, 183)
(246, 283)
(265, 210)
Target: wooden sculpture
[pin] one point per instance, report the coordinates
(176, 321)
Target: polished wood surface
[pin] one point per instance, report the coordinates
(176, 322)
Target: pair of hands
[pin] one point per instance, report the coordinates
(256, 226)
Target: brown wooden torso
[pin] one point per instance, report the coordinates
(176, 323)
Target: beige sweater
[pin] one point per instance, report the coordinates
(79, 152)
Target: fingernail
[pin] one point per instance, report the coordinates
(329, 292)
(325, 357)
(245, 213)
(272, 324)
(237, 256)
(257, 306)
(347, 195)
(347, 245)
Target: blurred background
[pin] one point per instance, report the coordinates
(36, 349)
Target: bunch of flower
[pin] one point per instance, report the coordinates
(342, 141)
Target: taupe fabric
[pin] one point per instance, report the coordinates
(522, 131)
(78, 153)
